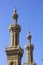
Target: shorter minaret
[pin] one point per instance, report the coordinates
(14, 52)
(29, 51)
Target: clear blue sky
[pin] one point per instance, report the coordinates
(30, 17)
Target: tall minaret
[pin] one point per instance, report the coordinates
(29, 51)
(14, 52)
(14, 30)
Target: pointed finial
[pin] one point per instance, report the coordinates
(29, 35)
(29, 31)
(15, 15)
(15, 10)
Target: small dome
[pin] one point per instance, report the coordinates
(15, 15)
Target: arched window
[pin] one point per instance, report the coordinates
(11, 63)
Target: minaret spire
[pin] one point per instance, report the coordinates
(15, 29)
(29, 51)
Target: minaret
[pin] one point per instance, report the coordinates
(29, 51)
(14, 30)
(14, 52)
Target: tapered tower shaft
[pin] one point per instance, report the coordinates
(14, 35)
